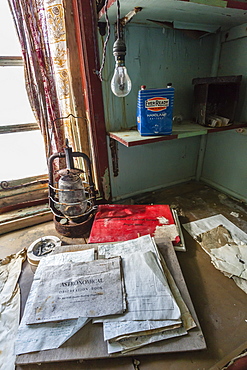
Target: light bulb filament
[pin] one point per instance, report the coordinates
(120, 83)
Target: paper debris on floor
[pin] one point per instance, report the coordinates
(154, 312)
(198, 227)
(231, 259)
(43, 336)
(225, 243)
(10, 269)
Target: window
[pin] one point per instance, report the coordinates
(22, 149)
(21, 143)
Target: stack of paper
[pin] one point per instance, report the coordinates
(129, 290)
(68, 288)
(153, 314)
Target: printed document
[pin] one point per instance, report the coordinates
(31, 338)
(153, 314)
(89, 289)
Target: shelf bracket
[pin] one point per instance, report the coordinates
(126, 19)
(114, 156)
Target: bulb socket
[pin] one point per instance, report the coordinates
(119, 48)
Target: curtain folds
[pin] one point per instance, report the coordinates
(40, 25)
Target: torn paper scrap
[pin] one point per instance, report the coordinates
(88, 289)
(121, 329)
(225, 254)
(241, 283)
(47, 335)
(226, 245)
(10, 269)
(31, 338)
(231, 259)
(215, 238)
(198, 227)
(130, 344)
(167, 231)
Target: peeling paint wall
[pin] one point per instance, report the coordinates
(106, 185)
(155, 56)
(225, 165)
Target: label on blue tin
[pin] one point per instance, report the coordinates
(155, 111)
(156, 104)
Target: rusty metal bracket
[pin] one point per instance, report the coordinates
(126, 19)
(5, 185)
(114, 156)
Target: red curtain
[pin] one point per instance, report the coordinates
(32, 28)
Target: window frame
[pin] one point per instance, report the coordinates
(22, 200)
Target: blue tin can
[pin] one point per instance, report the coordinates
(155, 111)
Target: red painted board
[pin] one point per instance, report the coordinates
(117, 222)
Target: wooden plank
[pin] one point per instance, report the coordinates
(20, 200)
(133, 137)
(27, 221)
(184, 130)
(11, 187)
(11, 61)
(88, 343)
(23, 212)
(18, 128)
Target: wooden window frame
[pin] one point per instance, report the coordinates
(23, 202)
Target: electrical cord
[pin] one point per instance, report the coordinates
(118, 19)
(106, 42)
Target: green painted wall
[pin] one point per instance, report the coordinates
(154, 166)
(155, 56)
(225, 164)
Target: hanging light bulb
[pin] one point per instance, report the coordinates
(120, 83)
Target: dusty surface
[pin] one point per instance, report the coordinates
(220, 305)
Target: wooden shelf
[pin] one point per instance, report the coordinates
(184, 130)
